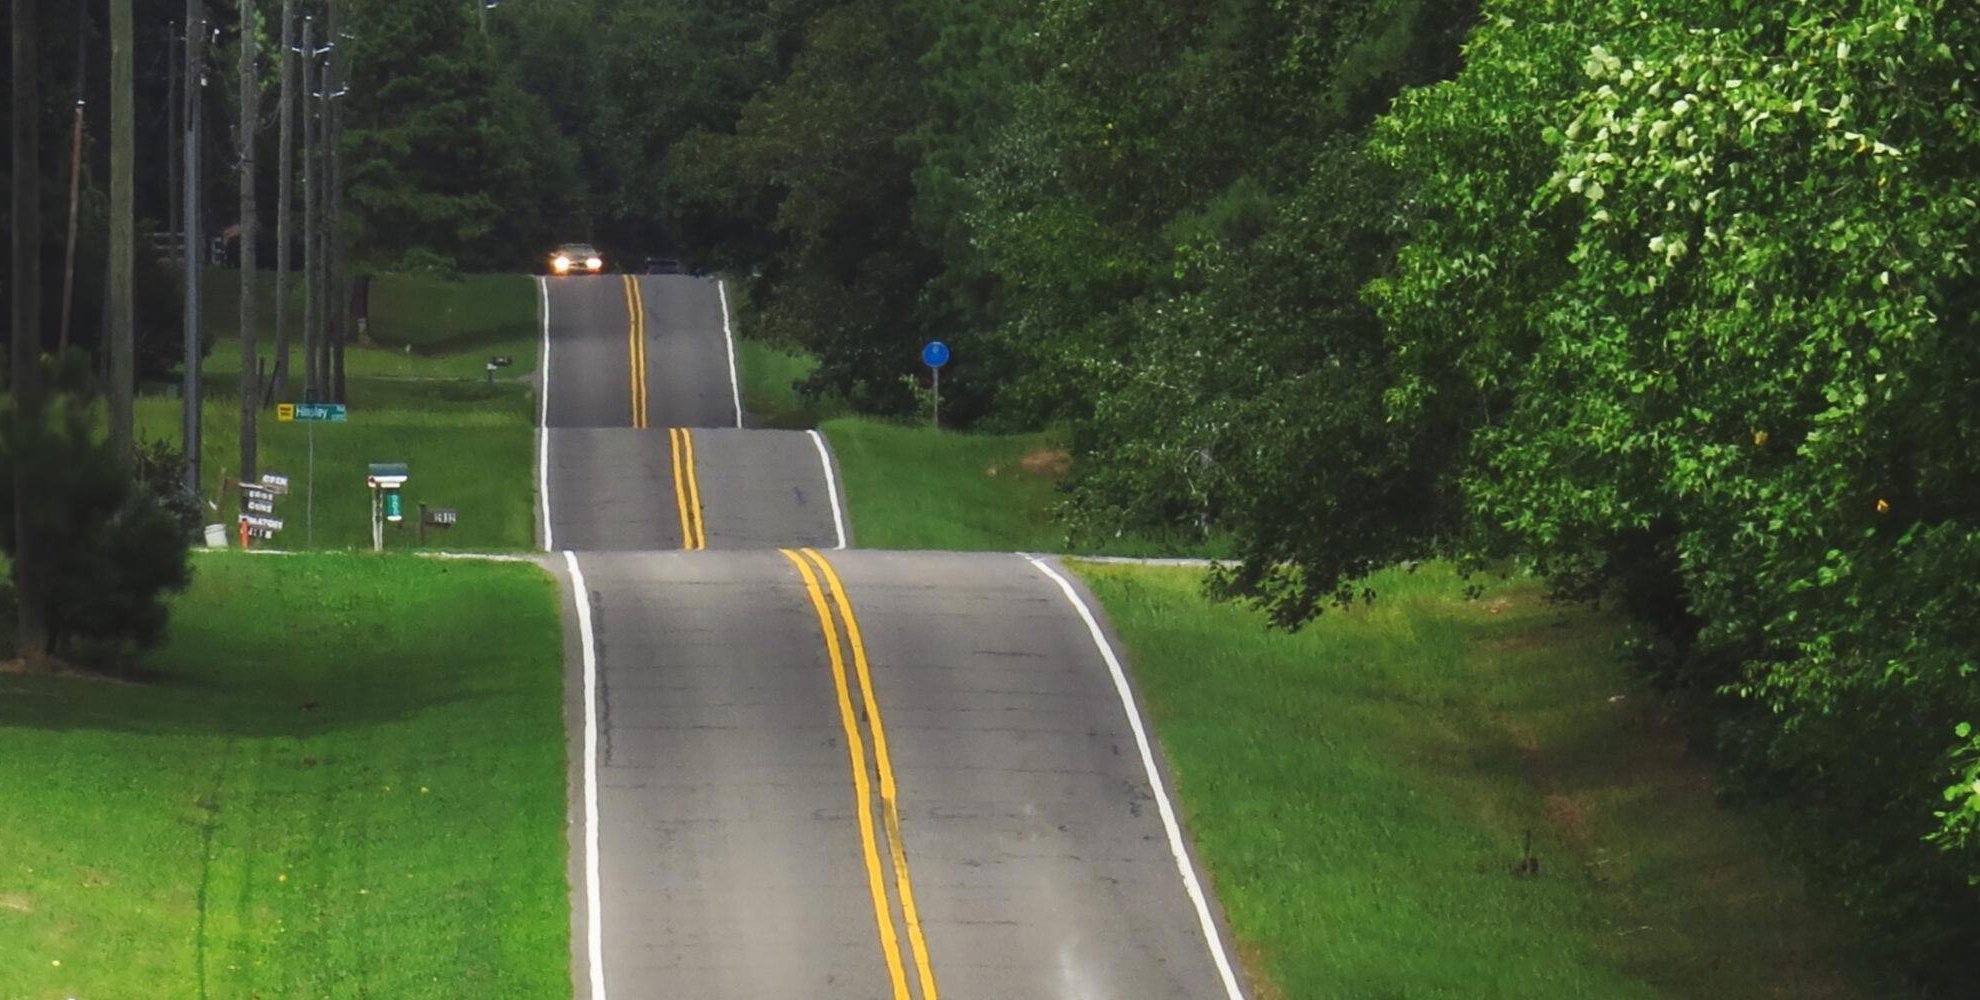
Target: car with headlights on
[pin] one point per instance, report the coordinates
(576, 258)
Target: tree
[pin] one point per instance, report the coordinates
(1699, 281)
(285, 198)
(250, 230)
(123, 225)
(114, 548)
(443, 151)
(31, 631)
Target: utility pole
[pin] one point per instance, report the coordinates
(285, 200)
(175, 130)
(31, 631)
(337, 293)
(75, 181)
(195, 77)
(311, 301)
(123, 225)
(250, 232)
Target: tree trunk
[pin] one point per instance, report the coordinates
(285, 199)
(311, 300)
(69, 248)
(123, 235)
(250, 232)
(175, 131)
(31, 630)
(336, 282)
(195, 78)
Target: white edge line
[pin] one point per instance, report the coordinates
(831, 487)
(1168, 810)
(594, 932)
(728, 335)
(543, 418)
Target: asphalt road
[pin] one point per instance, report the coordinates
(826, 774)
(631, 363)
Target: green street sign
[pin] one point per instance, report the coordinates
(329, 412)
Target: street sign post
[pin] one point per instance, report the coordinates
(311, 414)
(331, 413)
(936, 354)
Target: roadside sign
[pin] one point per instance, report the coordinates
(442, 517)
(334, 413)
(252, 492)
(387, 475)
(264, 523)
(935, 355)
(274, 482)
(261, 506)
(285, 412)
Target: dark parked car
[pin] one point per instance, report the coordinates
(664, 265)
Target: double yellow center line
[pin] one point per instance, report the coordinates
(687, 486)
(687, 489)
(636, 344)
(812, 567)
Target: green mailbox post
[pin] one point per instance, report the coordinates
(385, 479)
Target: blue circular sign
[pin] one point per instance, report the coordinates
(935, 355)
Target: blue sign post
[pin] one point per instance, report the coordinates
(936, 354)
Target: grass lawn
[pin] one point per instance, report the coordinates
(468, 446)
(919, 488)
(342, 777)
(1360, 793)
(432, 313)
(465, 363)
(912, 487)
(768, 373)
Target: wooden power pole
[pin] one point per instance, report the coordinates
(31, 628)
(285, 200)
(250, 233)
(123, 226)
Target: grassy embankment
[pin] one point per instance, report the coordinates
(341, 776)
(418, 394)
(909, 486)
(1362, 790)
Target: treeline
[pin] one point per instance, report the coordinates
(1669, 302)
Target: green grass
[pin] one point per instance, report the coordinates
(919, 488)
(435, 313)
(343, 776)
(466, 363)
(768, 373)
(469, 446)
(1360, 791)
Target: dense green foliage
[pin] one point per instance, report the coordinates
(116, 550)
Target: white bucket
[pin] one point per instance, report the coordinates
(216, 536)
